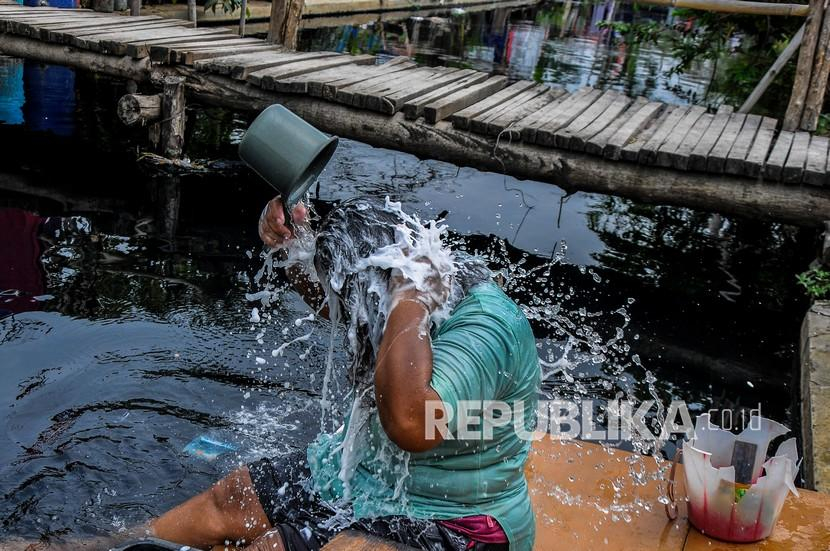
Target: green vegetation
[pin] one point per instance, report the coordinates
(741, 49)
(816, 281)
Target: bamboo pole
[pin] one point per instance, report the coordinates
(191, 11)
(243, 15)
(735, 6)
(776, 67)
(818, 79)
(812, 28)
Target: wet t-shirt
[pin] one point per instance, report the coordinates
(485, 351)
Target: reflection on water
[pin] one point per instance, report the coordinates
(142, 340)
(559, 43)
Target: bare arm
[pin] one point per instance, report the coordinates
(403, 372)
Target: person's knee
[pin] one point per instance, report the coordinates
(237, 506)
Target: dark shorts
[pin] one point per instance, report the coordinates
(306, 522)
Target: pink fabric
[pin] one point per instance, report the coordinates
(20, 260)
(482, 528)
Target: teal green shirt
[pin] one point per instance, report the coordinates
(485, 350)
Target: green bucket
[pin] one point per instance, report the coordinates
(286, 152)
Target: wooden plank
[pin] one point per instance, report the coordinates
(679, 158)
(754, 162)
(299, 84)
(637, 119)
(191, 56)
(794, 167)
(29, 27)
(597, 143)
(562, 137)
(414, 108)
(545, 135)
(740, 149)
(64, 33)
(239, 66)
(330, 88)
(614, 112)
(140, 48)
(409, 85)
(511, 123)
(648, 151)
(394, 101)
(95, 41)
(507, 125)
(349, 93)
(266, 78)
(462, 99)
(675, 138)
(363, 93)
(815, 170)
(700, 154)
(630, 151)
(461, 119)
(774, 166)
(479, 124)
(716, 160)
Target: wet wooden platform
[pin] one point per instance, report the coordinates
(600, 123)
(576, 507)
(586, 139)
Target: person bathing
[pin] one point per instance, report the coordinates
(424, 338)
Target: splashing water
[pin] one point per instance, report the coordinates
(353, 269)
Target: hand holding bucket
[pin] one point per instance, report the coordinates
(286, 152)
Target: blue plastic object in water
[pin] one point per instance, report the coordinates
(208, 448)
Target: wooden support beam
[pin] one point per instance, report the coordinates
(776, 67)
(818, 78)
(133, 108)
(727, 194)
(243, 15)
(135, 7)
(735, 6)
(173, 117)
(812, 29)
(191, 12)
(284, 27)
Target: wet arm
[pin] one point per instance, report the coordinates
(402, 378)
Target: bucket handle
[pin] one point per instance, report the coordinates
(671, 505)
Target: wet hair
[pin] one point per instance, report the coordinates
(356, 294)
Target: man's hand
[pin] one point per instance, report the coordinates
(433, 294)
(272, 227)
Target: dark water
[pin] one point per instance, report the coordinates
(141, 339)
(562, 43)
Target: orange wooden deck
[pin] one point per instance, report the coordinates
(573, 497)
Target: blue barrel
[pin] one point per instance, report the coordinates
(12, 96)
(50, 98)
(52, 3)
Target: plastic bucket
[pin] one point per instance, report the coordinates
(286, 152)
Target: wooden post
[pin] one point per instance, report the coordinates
(812, 29)
(191, 11)
(106, 6)
(284, 26)
(133, 108)
(173, 117)
(779, 64)
(135, 7)
(818, 79)
(243, 14)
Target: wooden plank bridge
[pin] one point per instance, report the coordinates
(532, 122)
